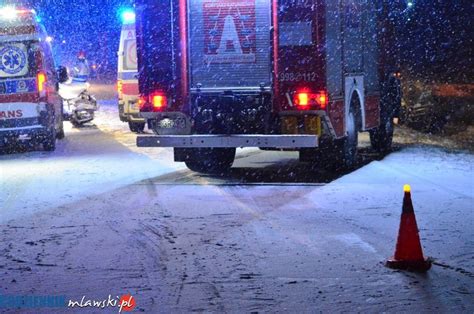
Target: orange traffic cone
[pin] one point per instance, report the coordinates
(408, 253)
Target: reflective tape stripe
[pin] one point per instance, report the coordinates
(203, 141)
(127, 75)
(130, 89)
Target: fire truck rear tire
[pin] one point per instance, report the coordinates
(348, 146)
(211, 160)
(136, 127)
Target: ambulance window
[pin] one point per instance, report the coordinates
(13, 60)
(130, 55)
(296, 33)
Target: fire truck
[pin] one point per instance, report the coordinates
(304, 75)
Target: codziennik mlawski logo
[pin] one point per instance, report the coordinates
(124, 303)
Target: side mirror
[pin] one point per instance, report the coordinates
(63, 75)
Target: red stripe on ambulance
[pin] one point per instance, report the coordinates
(130, 89)
(31, 97)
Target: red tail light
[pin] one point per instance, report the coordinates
(141, 103)
(154, 102)
(302, 99)
(323, 100)
(311, 101)
(158, 101)
(41, 82)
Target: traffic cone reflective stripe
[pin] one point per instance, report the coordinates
(408, 251)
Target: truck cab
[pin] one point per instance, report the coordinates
(127, 82)
(30, 107)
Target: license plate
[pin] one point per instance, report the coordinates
(177, 123)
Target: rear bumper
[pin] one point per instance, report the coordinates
(132, 117)
(11, 134)
(36, 120)
(23, 130)
(203, 141)
(129, 112)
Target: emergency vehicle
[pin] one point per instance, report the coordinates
(127, 83)
(306, 75)
(30, 107)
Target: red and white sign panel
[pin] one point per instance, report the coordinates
(130, 47)
(230, 31)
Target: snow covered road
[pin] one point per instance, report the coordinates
(100, 216)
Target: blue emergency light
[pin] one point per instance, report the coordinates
(128, 16)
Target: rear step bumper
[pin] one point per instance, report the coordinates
(202, 141)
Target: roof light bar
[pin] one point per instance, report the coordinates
(128, 16)
(8, 13)
(11, 13)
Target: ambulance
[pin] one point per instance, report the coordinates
(30, 107)
(127, 83)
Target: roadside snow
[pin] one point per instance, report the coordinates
(87, 163)
(102, 216)
(442, 192)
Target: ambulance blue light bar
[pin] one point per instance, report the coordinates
(128, 16)
(11, 13)
(8, 13)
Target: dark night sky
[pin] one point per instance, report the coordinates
(89, 25)
(436, 35)
(438, 39)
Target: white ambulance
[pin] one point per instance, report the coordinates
(30, 107)
(127, 82)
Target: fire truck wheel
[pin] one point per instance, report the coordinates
(211, 160)
(348, 147)
(381, 138)
(136, 127)
(49, 140)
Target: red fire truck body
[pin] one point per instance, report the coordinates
(295, 74)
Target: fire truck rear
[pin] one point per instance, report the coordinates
(306, 75)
